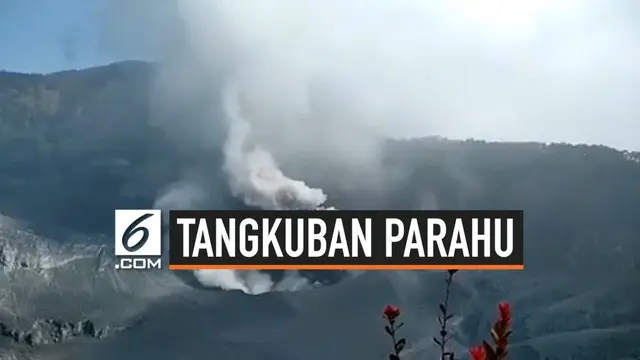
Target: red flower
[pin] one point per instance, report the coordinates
(505, 312)
(391, 312)
(478, 353)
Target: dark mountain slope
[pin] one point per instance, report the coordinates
(75, 145)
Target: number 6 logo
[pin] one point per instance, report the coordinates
(138, 233)
(133, 229)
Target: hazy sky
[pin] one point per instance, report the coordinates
(561, 70)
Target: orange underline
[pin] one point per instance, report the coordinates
(346, 267)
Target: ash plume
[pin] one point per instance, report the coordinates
(254, 176)
(187, 195)
(536, 70)
(301, 90)
(253, 172)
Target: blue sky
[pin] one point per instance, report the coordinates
(36, 34)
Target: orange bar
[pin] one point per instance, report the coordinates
(346, 267)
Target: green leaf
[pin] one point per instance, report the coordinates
(400, 344)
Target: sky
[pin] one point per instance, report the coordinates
(542, 70)
(50, 35)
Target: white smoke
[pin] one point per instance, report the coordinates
(541, 70)
(308, 80)
(251, 282)
(254, 174)
(185, 195)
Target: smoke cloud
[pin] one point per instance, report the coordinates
(185, 195)
(253, 172)
(314, 86)
(540, 70)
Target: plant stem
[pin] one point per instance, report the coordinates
(445, 314)
(393, 338)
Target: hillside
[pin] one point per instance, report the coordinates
(75, 145)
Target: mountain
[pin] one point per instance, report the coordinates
(75, 145)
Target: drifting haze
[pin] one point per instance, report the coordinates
(321, 82)
(542, 70)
